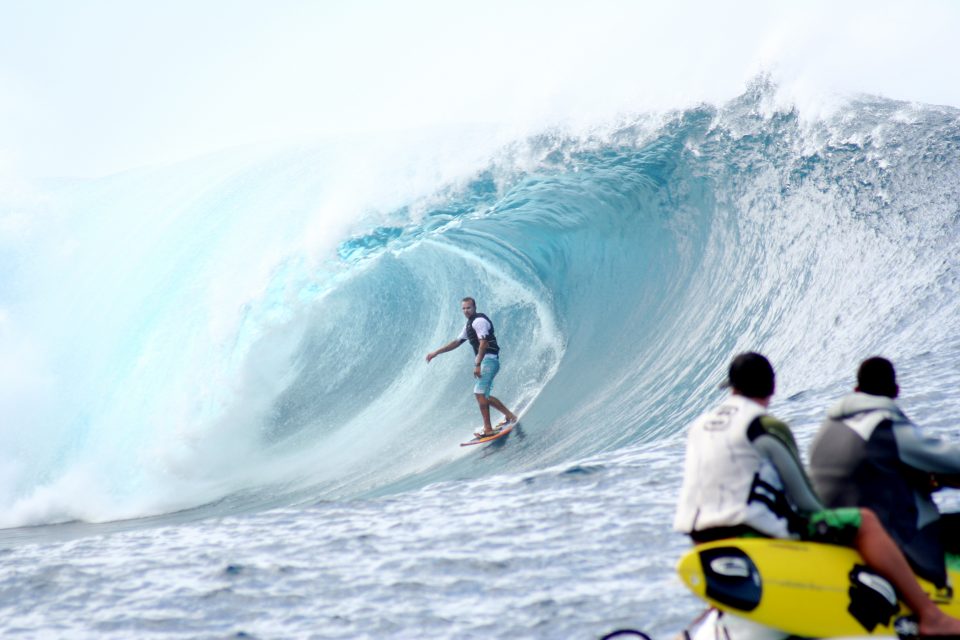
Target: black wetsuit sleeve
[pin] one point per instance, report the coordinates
(773, 439)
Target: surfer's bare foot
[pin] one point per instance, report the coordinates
(935, 622)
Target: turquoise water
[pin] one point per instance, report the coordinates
(221, 393)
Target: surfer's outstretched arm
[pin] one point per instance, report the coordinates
(447, 347)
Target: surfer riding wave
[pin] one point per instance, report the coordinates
(480, 333)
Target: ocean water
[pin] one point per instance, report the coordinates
(218, 421)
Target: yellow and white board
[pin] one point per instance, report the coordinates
(803, 588)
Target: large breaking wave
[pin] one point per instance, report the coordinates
(250, 328)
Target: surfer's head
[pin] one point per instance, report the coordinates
(469, 306)
(751, 375)
(877, 377)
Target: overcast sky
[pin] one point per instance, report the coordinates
(93, 87)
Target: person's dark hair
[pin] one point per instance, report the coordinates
(877, 377)
(470, 300)
(751, 375)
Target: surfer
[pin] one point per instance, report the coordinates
(479, 332)
(743, 476)
(869, 454)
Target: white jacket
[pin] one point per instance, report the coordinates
(730, 477)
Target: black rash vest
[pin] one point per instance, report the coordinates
(492, 347)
